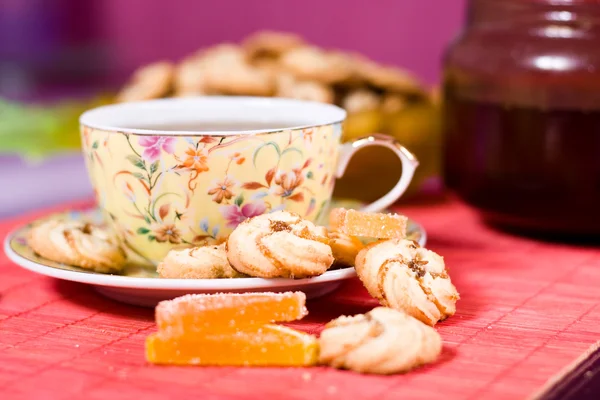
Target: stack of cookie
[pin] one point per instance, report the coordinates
(378, 98)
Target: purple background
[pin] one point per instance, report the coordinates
(101, 41)
(411, 33)
(62, 46)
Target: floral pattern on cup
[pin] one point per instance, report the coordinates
(190, 190)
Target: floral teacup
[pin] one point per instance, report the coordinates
(165, 178)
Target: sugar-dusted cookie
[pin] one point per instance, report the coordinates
(288, 86)
(404, 276)
(315, 64)
(149, 82)
(205, 262)
(382, 341)
(280, 244)
(77, 243)
(364, 224)
(344, 248)
(270, 43)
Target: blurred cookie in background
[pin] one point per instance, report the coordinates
(315, 64)
(149, 82)
(379, 98)
(270, 44)
(289, 86)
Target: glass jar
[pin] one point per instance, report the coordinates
(522, 114)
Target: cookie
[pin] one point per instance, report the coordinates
(393, 103)
(222, 69)
(364, 224)
(344, 248)
(222, 54)
(389, 78)
(279, 245)
(314, 64)
(190, 78)
(269, 66)
(204, 262)
(150, 82)
(404, 276)
(288, 86)
(226, 71)
(435, 95)
(239, 79)
(270, 44)
(382, 341)
(77, 243)
(360, 100)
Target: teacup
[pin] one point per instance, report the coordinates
(183, 172)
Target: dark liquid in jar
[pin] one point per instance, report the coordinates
(526, 167)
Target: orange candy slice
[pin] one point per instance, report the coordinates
(201, 313)
(369, 225)
(231, 329)
(271, 345)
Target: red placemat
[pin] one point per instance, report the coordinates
(528, 309)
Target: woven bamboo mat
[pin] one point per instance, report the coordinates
(528, 310)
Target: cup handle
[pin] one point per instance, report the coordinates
(409, 164)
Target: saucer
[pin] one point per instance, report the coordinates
(140, 285)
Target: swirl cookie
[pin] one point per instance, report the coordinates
(344, 248)
(404, 276)
(76, 243)
(382, 341)
(150, 82)
(279, 245)
(363, 224)
(205, 262)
